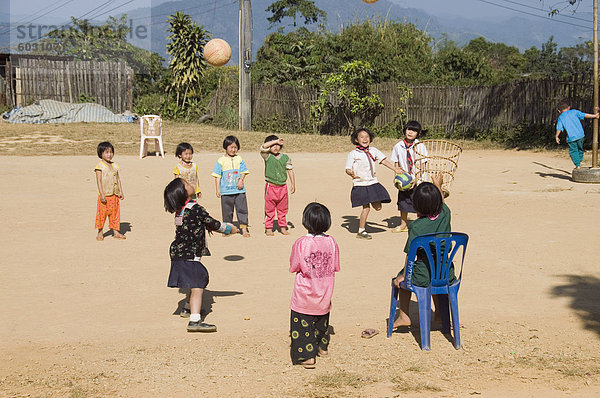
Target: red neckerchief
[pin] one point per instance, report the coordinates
(365, 149)
(409, 159)
(183, 207)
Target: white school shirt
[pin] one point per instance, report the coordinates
(399, 156)
(363, 166)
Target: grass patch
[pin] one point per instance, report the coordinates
(404, 385)
(82, 139)
(341, 379)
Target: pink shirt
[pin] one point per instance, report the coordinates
(315, 260)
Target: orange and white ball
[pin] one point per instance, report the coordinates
(217, 52)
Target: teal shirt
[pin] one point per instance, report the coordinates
(421, 226)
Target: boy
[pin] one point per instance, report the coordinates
(569, 121)
(278, 167)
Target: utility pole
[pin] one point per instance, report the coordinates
(595, 125)
(245, 64)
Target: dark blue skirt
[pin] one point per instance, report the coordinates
(364, 195)
(188, 274)
(405, 201)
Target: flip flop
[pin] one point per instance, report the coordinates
(368, 333)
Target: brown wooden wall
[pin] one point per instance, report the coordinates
(110, 83)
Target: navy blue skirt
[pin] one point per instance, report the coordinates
(188, 274)
(364, 195)
(405, 201)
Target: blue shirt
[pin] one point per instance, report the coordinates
(570, 121)
(229, 170)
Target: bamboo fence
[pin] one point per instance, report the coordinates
(531, 102)
(108, 83)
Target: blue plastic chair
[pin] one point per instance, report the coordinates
(446, 245)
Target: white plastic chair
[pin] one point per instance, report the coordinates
(151, 129)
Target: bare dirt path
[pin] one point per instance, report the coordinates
(84, 318)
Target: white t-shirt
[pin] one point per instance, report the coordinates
(363, 166)
(399, 156)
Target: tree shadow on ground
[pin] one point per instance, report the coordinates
(351, 224)
(564, 175)
(208, 299)
(584, 291)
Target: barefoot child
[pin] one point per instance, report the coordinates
(315, 259)
(278, 167)
(433, 216)
(187, 169)
(230, 172)
(366, 189)
(404, 157)
(110, 192)
(570, 121)
(191, 223)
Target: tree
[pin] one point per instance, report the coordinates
(187, 64)
(290, 8)
(347, 94)
(545, 62)
(106, 42)
(297, 59)
(453, 66)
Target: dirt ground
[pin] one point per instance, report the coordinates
(82, 318)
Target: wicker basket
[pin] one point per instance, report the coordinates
(436, 157)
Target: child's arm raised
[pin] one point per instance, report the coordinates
(438, 180)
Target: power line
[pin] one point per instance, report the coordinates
(35, 19)
(535, 15)
(542, 9)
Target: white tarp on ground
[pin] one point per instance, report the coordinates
(49, 111)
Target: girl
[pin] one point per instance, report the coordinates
(366, 190)
(403, 156)
(434, 216)
(315, 259)
(187, 169)
(109, 192)
(230, 172)
(278, 168)
(191, 223)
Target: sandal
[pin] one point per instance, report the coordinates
(368, 333)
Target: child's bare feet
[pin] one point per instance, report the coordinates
(269, 232)
(284, 231)
(322, 353)
(118, 235)
(245, 232)
(309, 363)
(100, 235)
(402, 320)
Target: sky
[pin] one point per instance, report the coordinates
(471, 8)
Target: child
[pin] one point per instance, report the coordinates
(230, 172)
(570, 121)
(278, 167)
(315, 259)
(366, 190)
(404, 157)
(110, 192)
(187, 169)
(191, 223)
(433, 216)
